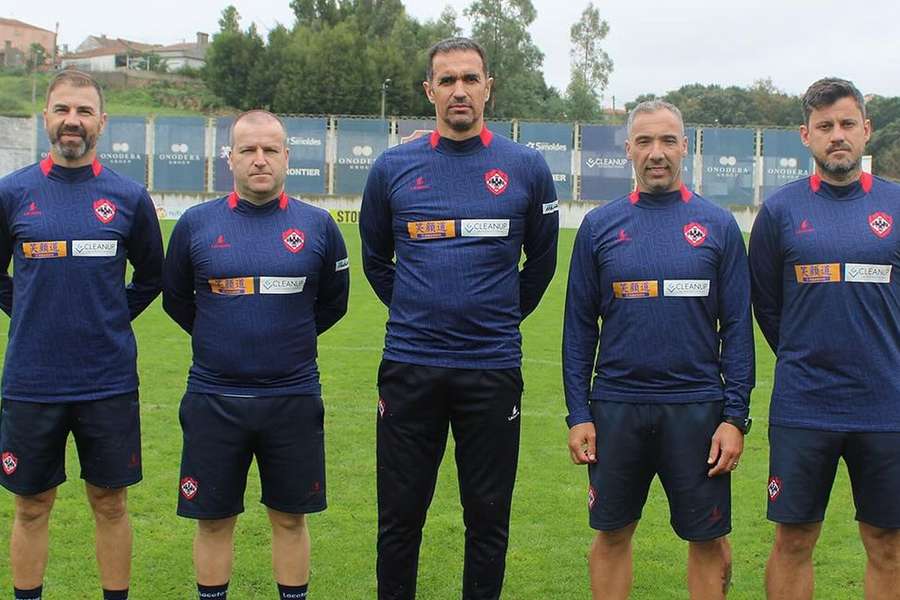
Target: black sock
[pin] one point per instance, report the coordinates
(115, 594)
(293, 592)
(213, 592)
(32, 594)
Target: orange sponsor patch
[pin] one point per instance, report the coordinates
(822, 273)
(635, 289)
(44, 249)
(234, 286)
(429, 230)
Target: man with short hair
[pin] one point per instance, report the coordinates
(443, 223)
(666, 272)
(827, 298)
(69, 224)
(272, 272)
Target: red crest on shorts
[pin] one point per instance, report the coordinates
(695, 234)
(294, 240)
(104, 210)
(189, 488)
(775, 487)
(10, 462)
(496, 181)
(592, 497)
(881, 224)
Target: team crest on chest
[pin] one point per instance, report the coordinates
(294, 240)
(104, 210)
(10, 462)
(881, 224)
(695, 234)
(496, 181)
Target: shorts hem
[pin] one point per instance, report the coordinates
(124, 483)
(613, 526)
(794, 521)
(24, 492)
(296, 510)
(703, 538)
(876, 525)
(210, 516)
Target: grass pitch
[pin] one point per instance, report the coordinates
(549, 535)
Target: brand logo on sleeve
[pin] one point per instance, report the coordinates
(821, 273)
(484, 227)
(220, 242)
(232, 286)
(623, 236)
(428, 230)
(281, 285)
(342, 265)
(862, 273)
(104, 210)
(686, 288)
(293, 239)
(805, 227)
(420, 184)
(635, 289)
(189, 488)
(695, 234)
(881, 224)
(10, 462)
(550, 207)
(55, 249)
(33, 210)
(496, 181)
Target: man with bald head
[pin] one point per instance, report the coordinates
(254, 277)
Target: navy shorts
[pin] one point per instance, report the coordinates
(636, 442)
(803, 463)
(33, 443)
(222, 434)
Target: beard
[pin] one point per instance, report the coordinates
(72, 150)
(836, 168)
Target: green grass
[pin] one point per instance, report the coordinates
(549, 533)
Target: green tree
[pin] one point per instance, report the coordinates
(230, 60)
(591, 65)
(501, 26)
(37, 56)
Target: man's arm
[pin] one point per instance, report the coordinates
(580, 336)
(178, 277)
(541, 237)
(375, 230)
(334, 280)
(6, 250)
(766, 272)
(145, 253)
(737, 358)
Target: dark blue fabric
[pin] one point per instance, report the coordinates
(456, 300)
(837, 343)
(70, 336)
(255, 343)
(661, 348)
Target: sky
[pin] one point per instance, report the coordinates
(655, 46)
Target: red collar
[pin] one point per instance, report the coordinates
(233, 200)
(47, 165)
(865, 180)
(486, 136)
(686, 195)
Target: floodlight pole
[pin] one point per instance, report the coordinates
(384, 87)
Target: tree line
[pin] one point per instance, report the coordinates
(339, 56)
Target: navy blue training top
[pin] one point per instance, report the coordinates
(443, 224)
(667, 274)
(254, 285)
(69, 233)
(826, 293)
